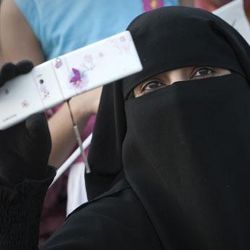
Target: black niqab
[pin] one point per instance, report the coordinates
(183, 149)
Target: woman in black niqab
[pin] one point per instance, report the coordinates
(184, 150)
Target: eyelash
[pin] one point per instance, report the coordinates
(208, 69)
(209, 72)
(147, 84)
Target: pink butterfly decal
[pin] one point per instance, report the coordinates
(76, 76)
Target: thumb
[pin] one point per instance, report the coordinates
(38, 132)
(24, 67)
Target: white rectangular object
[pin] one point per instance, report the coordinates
(59, 79)
(234, 14)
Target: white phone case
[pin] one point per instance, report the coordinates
(59, 79)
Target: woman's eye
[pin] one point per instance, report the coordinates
(203, 72)
(148, 86)
(151, 86)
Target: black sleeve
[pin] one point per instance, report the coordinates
(20, 209)
(115, 221)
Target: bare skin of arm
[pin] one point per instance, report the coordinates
(18, 42)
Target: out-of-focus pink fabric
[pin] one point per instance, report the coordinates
(54, 208)
(152, 4)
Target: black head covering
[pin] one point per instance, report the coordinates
(184, 149)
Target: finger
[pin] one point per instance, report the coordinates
(8, 71)
(38, 131)
(37, 125)
(24, 67)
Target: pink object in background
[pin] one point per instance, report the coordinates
(152, 4)
(210, 5)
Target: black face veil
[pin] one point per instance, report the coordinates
(183, 149)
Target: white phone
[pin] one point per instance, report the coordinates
(59, 79)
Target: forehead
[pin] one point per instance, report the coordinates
(182, 70)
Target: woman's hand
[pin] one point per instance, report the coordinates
(25, 147)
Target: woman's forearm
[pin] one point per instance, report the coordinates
(20, 210)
